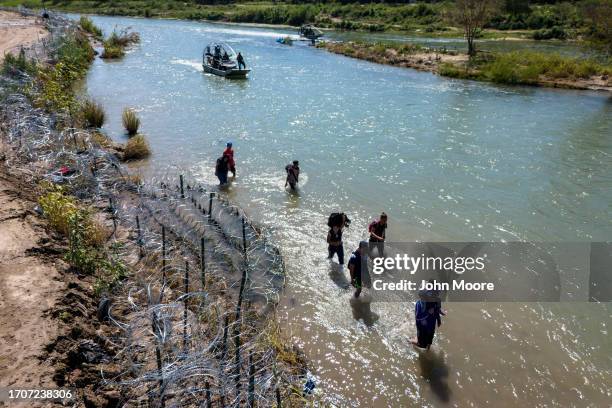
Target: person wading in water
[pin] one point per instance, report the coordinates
(336, 222)
(293, 174)
(377, 230)
(334, 239)
(358, 267)
(221, 169)
(229, 152)
(427, 313)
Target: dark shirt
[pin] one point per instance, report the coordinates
(334, 236)
(222, 165)
(360, 268)
(377, 228)
(293, 173)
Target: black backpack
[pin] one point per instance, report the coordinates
(220, 165)
(338, 219)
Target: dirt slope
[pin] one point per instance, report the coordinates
(17, 31)
(30, 270)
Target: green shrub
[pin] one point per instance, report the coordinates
(62, 211)
(76, 52)
(454, 71)
(136, 148)
(56, 82)
(550, 33)
(130, 120)
(523, 67)
(112, 52)
(88, 25)
(93, 114)
(115, 44)
(112, 271)
(18, 65)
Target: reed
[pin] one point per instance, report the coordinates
(136, 148)
(88, 25)
(93, 114)
(130, 120)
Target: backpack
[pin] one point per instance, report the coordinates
(338, 219)
(220, 166)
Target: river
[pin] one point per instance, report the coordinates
(447, 159)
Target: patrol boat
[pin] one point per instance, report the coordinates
(220, 59)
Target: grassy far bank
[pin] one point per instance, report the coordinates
(515, 18)
(519, 67)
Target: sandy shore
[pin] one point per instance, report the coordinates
(30, 283)
(19, 31)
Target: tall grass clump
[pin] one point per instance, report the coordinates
(131, 122)
(93, 114)
(88, 25)
(116, 43)
(136, 148)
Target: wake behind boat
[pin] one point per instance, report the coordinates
(220, 59)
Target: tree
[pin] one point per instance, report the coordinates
(599, 14)
(472, 15)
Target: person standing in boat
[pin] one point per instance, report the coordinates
(241, 62)
(293, 174)
(229, 152)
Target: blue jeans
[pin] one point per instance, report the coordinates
(337, 250)
(222, 178)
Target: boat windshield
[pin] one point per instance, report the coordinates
(220, 49)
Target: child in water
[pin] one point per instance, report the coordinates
(427, 313)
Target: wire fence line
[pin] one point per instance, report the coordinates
(191, 314)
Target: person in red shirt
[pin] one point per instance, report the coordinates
(229, 152)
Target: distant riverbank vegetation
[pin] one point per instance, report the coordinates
(538, 19)
(514, 68)
(530, 68)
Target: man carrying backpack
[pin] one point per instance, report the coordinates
(377, 235)
(358, 267)
(293, 174)
(221, 169)
(334, 240)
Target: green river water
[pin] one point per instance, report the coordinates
(446, 159)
